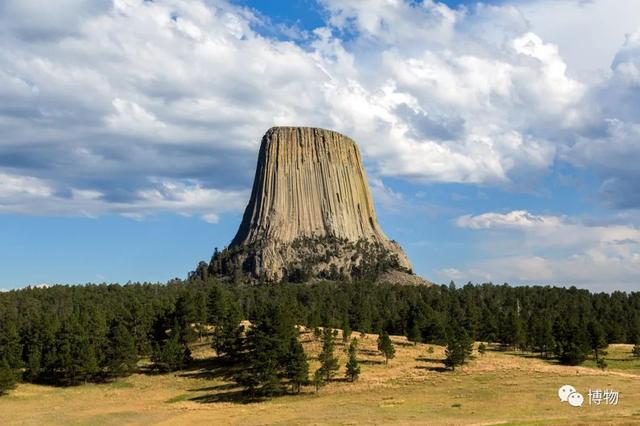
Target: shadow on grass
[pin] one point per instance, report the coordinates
(436, 369)
(425, 359)
(622, 359)
(219, 369)
(370, 362)
(211, 368)
(527, 355)
(409, 344)
(216, 388)
(236, 397)
(532, 355)
(230, 392)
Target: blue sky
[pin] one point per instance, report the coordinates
(500, 138)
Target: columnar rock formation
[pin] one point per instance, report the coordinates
(310, 213)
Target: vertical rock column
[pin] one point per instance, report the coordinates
(309, 182)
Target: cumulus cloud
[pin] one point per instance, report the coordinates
(113, 97)
(134, 91)
(588, 33)
(609, 148)
(29, 195)
(521, 247)
(515, 219)
(444, 104)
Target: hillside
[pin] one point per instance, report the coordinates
(495, 388)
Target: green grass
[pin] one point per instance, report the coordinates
(120, 384)
(179, 398)
(618, 358)
(497, 388)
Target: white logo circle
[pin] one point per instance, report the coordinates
(576, 399)
(565, 391)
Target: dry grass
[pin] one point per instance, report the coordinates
(496, 388)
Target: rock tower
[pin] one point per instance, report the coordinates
(310, 214)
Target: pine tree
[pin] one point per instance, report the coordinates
(218, 304)
(171, 355)
(601, 363)
(32, 351)
(414, 334)
(88, 366)
(416, 323)
(346, 332)
(169, 352)
(634, 328)
(34, 363)
(63, 335)
(10, 347)
(7, 377)
(319, 379)
(263, 367)
(636, 350)
(183, 316)
(140, 323)
(228, 332)
(512, 331)
(297, 368)
(75, 357)
(48, 336)
(386, 347)
(121, 356)
(543, 339)
(95, 329)
(488, 325)
(267, 357)
(482, 349)
(328, 362)
(597, 339)
(571, 339)
(353, 367)
(459, 347)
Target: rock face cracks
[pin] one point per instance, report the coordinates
(310, 214)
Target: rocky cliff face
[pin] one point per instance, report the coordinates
(310, 213)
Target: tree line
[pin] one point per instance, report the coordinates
(66, 335)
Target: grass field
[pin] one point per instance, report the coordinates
(495, 388)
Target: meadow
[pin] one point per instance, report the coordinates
(413, 388)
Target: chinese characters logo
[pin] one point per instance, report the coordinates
(568, 393)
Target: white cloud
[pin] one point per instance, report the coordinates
(514, 219)
(588, 33)
(111, 93)
(131, 107)
(445, 104)
(386, 197)
(33, 19)
(131, 117)
(29, 195)
(453, 274)
(395, 22)
(17, 186)
(610, 148)
(521, 247)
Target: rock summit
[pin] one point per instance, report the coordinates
(310, 215)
